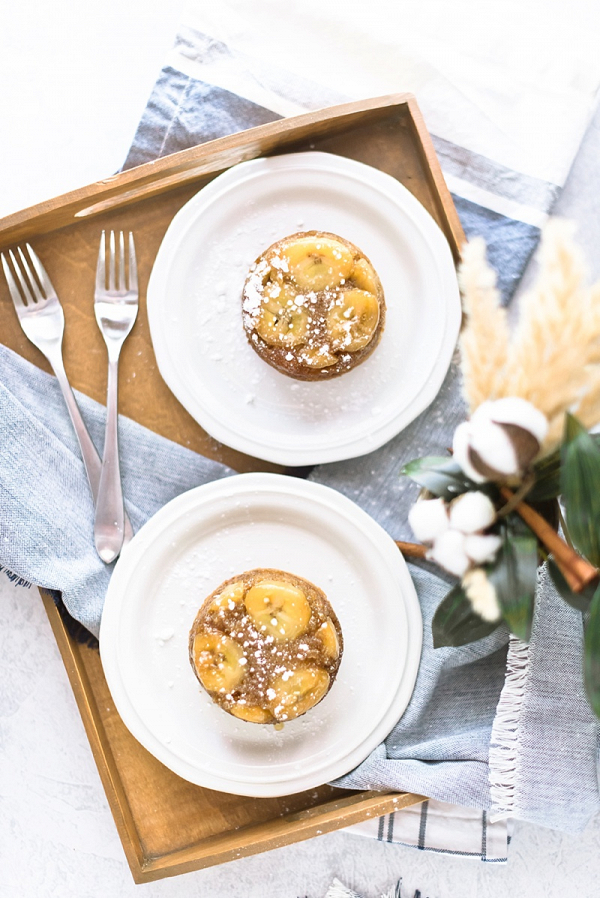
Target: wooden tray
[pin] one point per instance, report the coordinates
(168, 826)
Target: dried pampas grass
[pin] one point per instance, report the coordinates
(484, 339)
(553, 358)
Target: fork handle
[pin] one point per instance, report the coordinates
(89, 453)
(91, 459)
(109, 525)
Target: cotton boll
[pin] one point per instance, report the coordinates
(501, 440)
(482, 548)
(471, 512)
(428, 519)
(517, 411)
(481, 594)
(460, 451)
(449, 552)
(491, 449)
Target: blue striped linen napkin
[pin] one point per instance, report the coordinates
(222, 77)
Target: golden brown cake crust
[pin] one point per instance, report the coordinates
(265, 655)
(315, 354)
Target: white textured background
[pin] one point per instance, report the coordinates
(74, 79)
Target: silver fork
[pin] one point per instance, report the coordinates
(42, 319)
(116, 306)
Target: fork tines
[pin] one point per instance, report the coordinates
(34, 288)
(125, 284)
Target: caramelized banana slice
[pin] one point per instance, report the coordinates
(363, 276)
(318, 358)
(281, 320)
(297, 691)
(251, 713)
(352, 320)
(316, 263)
(329, 638)
(217, 661)
(278, 609)
(231, 596)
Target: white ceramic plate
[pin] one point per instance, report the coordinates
(210, 534)
(194, 307)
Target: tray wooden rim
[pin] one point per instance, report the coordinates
(168, 172)
(129, 187)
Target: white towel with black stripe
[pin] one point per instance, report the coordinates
(442, 828)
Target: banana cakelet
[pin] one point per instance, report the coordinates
(313, 306)
(266, 645)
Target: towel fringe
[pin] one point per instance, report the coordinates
(15, 578)
(505, 729)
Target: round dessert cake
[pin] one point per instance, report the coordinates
(266, 645)
(313, 306)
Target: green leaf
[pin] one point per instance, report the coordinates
(440, 475)
(514, 575)
(547, 479)
(579, 600)
(455, 623)
(580, 487)
(547, 475)
(591, 655)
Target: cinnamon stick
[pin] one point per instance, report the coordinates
(577, 571)
(412, 550)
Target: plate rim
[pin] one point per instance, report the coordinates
(125, 569)
(223, 429)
